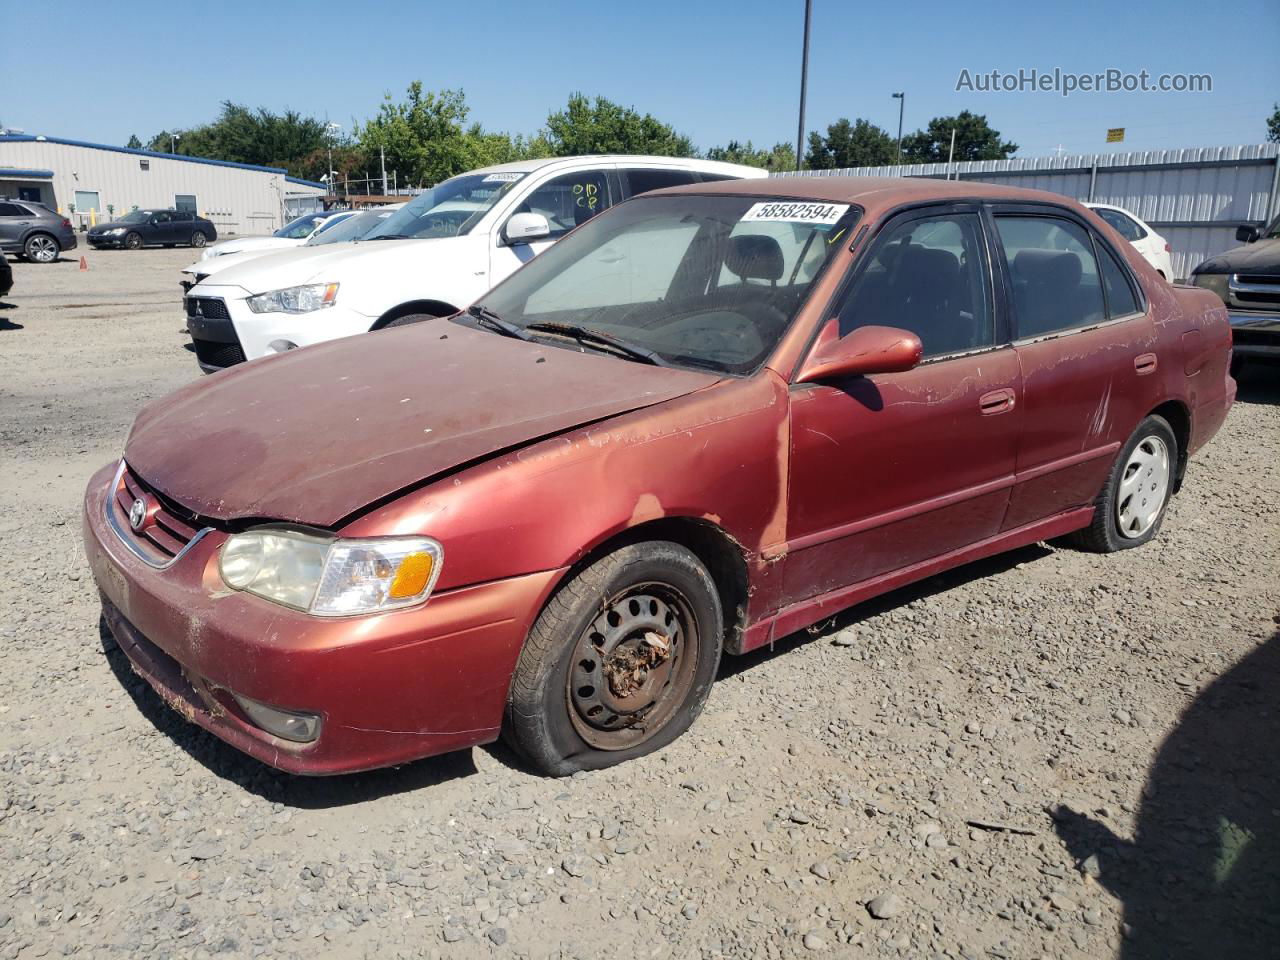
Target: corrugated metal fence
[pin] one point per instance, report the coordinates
(1194, 197)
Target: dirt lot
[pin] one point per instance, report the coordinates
(1112, 721)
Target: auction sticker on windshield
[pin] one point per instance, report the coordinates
(502, 178)
(823, 213)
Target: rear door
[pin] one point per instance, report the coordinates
(14, 221)
(1085, 346)
(889, 470)
(640, 179)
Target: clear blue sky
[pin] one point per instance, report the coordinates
(715, 70)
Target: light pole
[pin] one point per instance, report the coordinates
(329, 127)
(173, 142)
(902, 104)
(804, 83)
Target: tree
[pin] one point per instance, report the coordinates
(423, 136)
(781, 157)
(1273, 125)
(975, 140)
(134, 142)
(259, 137)
(602, 126)
(857, 144)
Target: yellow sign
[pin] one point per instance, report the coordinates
(1115, 135)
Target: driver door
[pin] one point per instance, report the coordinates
(891, 470)
(566, 201)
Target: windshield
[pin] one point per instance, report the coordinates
(1273, 231)
(300, 228)
(703, 281)
(448, 209)
(349, 228)
(136, 216)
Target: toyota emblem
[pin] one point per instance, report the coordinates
(137, 513)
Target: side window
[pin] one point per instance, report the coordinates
(1127, 227)
(12, 210)
(569, 200)
(716, 177)
(161, 216)
(928, 276)
(1120, 299)
(642, 181)
(181, 216)
(1055, 277)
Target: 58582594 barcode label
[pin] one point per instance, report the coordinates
(801, 212)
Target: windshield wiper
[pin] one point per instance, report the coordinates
(484, 315)
(581, 334)
(390, 236)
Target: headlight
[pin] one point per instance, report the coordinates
(116, 231)
(328, 576)
(304, 299)
(1217, 282)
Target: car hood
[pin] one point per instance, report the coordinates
(328, 263)
(1260, 257)
(314, 435)
(104, 227)
(241, 244)
(219, 264)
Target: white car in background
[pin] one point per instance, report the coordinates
(1154, 248)
(352, 225)
(292, 234)
(442, 251)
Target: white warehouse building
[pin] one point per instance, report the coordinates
(94, 182)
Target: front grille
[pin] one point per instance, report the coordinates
(1259, 288)
(214, 354)
(211, 308)
(162, 534)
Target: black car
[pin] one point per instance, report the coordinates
(1248, 281)
(143, 228)
(6, 275)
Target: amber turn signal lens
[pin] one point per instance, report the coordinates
(412, 577)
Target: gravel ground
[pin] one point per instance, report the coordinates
(1050, 754)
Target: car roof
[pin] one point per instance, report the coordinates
(686, 163)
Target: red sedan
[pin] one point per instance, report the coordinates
(709, 417)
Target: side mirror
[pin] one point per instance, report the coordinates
(526, 227)
(1247, 233)
(865, 350)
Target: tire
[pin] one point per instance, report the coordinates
(198, 239)
(41, 248)
(603, 624)
(407, 319)
(1135, 498)
(133, 241)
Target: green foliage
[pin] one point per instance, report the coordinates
(780, 158)
(422, 135)
(975, 140)
(857, 144)
(134, 142)
(599, 125)
(1273, 125)
(251, 136)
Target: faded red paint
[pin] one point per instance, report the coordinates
(522, 459)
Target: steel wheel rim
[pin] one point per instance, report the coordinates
(42, 249)
(1143, 488)
(632, 667)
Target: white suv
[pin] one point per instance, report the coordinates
(438, 254)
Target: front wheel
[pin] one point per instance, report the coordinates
(1134, 499)
(407, 319)
(133, 241)
(198, 239)
(41, 248)
(619, 663)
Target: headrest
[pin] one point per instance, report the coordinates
(1048, 267)
(919, 262)
(754, 257)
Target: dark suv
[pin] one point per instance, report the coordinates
(1248, 281)
(32, 230)
(141, 228)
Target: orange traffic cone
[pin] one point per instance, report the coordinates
(83, 264)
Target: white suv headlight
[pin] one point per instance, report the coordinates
(303, 299)
(331, 576)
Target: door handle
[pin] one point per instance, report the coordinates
(1145, 363)
(997, 401)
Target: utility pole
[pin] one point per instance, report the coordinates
(382, 156)
(804, 83)
(952, 152)
(902, 105)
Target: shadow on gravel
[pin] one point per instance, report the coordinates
(1259, 382)
(1202, 877)
(978, 570)
(6, 324)
(308, 793)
